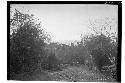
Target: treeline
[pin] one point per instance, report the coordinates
(31, 49)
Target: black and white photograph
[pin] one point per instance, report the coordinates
(64, 41)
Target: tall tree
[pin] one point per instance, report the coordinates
(27, 42)
(103, 45)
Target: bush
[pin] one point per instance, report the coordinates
(51, 63)
(27, 43)
(103, 50)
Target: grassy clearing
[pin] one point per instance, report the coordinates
(69, 74)
(79, 74)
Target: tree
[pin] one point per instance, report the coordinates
(102, 46)
(27, 42)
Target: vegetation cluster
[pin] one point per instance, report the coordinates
(31, 49)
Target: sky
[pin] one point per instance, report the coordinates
(68, 21)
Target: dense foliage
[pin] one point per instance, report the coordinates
(27, 42)
(103, 48)
(31, 49)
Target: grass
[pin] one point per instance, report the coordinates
(79, 74)
(68, 74)
(37, 75)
